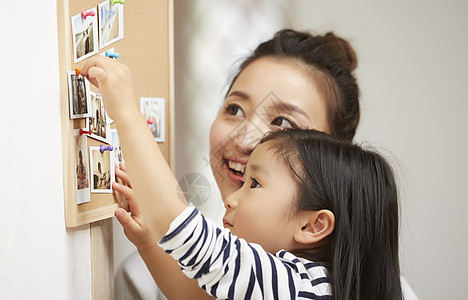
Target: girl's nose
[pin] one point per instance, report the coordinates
(231, 201)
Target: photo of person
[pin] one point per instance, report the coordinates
(98, 122)
(118, 156)
(154, 113)
(85, 38)
(102, 173)
(79, 96)
(110, 23)
(81, 167)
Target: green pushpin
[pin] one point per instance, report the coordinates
(117, 1)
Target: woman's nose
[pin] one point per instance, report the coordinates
(249, 133)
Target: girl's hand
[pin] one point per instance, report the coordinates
(114, 81)
(134, 225)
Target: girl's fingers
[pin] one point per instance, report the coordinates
(126, 220)
(130, 196)
(96, 75)
(96, 69)
(123, 175)
(123, 167)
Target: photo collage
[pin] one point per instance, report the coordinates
(92, 30)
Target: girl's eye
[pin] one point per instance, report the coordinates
(254, 184)
(283, 123)
(234, 110)
(242, 182)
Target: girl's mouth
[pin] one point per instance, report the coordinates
(226, 224)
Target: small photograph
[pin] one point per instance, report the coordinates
(85, 36)
(98, 123)
(118, 156)
(154, 113)
(102, 170)
(111, 23)
(79, 96)
(81, 167)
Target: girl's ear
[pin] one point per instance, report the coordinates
(316, 226)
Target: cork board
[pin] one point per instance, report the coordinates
(146, 48)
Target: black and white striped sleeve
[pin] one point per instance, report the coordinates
(228, 267)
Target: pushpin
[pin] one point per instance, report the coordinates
(150, 121)
(78, 71)
(112, 54)
(104, 148)
(85, 14)
(117, 1)
(84, 131)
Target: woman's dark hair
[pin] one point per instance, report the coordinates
(330, 61)
(359, 187)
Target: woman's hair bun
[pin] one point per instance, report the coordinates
(343, 49)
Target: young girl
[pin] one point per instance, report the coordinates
(326, 209)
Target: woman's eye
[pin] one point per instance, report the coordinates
(234, 110)
(254, 184)
(283, 123)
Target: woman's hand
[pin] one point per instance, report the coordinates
(134, 225)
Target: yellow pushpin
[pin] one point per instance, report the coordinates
(77, 71)
(117, 1)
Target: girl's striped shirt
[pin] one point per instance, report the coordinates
(228, 267)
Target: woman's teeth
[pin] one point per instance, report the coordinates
(236, 166)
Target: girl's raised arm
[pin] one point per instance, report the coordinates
(152, 180)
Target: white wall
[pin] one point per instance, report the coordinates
(413, 76)
(39, 258)
(413, 62)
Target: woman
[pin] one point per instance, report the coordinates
(293, 80)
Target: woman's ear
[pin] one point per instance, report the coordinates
(315, 226)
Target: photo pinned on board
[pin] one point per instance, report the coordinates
(79, 96)
(154, 113)
(81, 167)
(115, 142)
(98, 124)
(85, 36)
(102, 172)
(111, 23)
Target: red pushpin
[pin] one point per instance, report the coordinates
(85, 14)
(77, 71)
(84, 131)
(150, 121)
(104, 148)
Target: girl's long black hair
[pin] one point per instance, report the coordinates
(359, 187)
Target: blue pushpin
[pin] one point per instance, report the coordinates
(117, 1)
(104, 148)
(112, 54)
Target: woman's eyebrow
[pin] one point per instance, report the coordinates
(274, 104)
(239, 94)
(287, 107)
